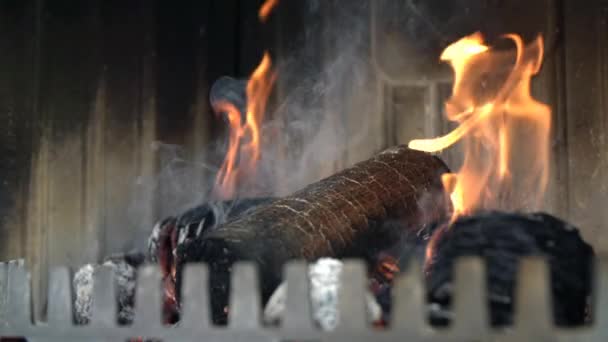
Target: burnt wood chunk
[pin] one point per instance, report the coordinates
(502, 239)
(353, 213)
(173, 232)
(195, 222)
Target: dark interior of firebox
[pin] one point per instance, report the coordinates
(114, 127)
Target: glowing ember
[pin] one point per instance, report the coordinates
(504, 131)
(244, 140)
(266, 8)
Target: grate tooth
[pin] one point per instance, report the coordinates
(352, 294)
(409, 300)
(298, 312)
(533, 296)
(60, 298)
(244, 310)
(148, 298)
(470, 298)
(600, 293)
(104, 297)
(19, 295)
(3, 294)
(195, 297)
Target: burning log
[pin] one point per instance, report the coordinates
(354, 213)
(502, 238)
(194, 222)
(171, 232)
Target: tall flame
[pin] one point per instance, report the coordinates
(244, 139)
(504, 131)
(266, 8)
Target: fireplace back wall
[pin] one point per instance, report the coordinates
(98, 97)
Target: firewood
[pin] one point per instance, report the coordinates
(195, 222)
(354, 213)
(172, 232)
(502, 239)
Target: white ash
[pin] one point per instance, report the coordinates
(124, 277)
(83, 289)
(324, 278)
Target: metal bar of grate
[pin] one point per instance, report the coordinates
(532, 318)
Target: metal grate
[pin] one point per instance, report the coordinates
(532, 320)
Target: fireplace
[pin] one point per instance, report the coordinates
(114, 121)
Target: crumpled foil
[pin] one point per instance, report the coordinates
(125, 277)
(324, 278)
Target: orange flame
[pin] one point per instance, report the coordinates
(504, 131)
(244, 139)
(266, 8)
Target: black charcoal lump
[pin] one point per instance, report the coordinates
(502, 239)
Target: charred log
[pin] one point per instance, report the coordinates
(354, 213)
(171, 232)
(501, 239)
(195, 222)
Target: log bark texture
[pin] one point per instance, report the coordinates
(353, 213)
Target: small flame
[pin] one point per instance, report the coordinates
(244, 139)
(504, 131)
(266, 8)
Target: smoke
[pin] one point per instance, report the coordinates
(324, 116)
(327, 102)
